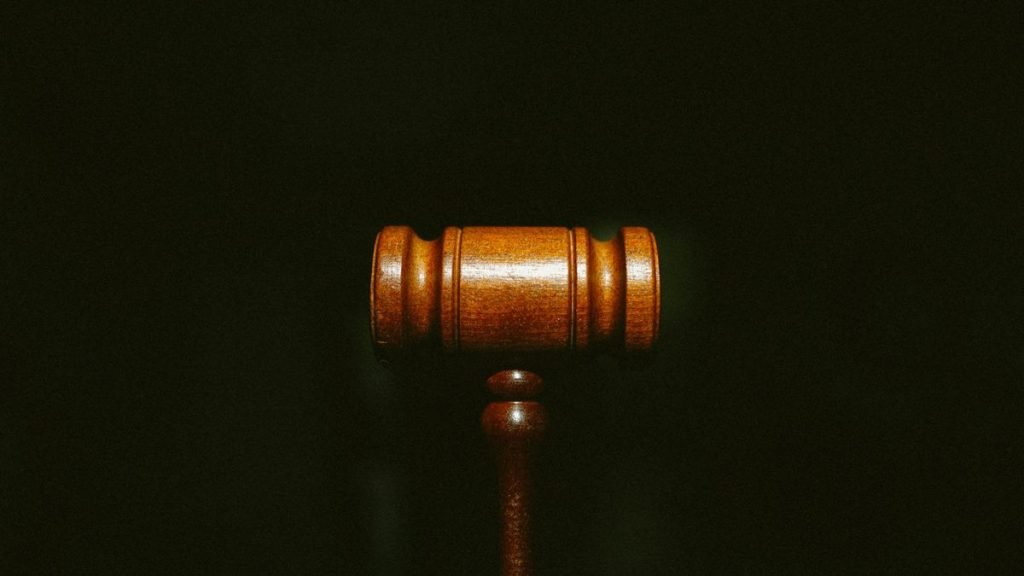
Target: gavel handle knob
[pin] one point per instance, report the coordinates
(514, 427)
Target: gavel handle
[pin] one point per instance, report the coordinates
(514, 427)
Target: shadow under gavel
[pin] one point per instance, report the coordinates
(511, 299)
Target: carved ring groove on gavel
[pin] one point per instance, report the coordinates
(510, 294)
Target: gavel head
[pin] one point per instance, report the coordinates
(506, 290)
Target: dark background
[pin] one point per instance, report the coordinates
(190, 197)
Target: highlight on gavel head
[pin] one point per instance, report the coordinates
(514, 290)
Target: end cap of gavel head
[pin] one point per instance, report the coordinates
(514, 290)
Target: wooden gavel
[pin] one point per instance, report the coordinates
(513, 296)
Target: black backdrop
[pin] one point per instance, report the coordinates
(190, 196)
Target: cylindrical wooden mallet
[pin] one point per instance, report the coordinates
(509, 295)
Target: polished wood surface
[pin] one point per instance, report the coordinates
(484, 289)
(514, 296)
(515, 427)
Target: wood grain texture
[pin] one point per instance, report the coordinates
(515, 427)
(506, 289)
(504, 293)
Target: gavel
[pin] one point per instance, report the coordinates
(512, 298)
